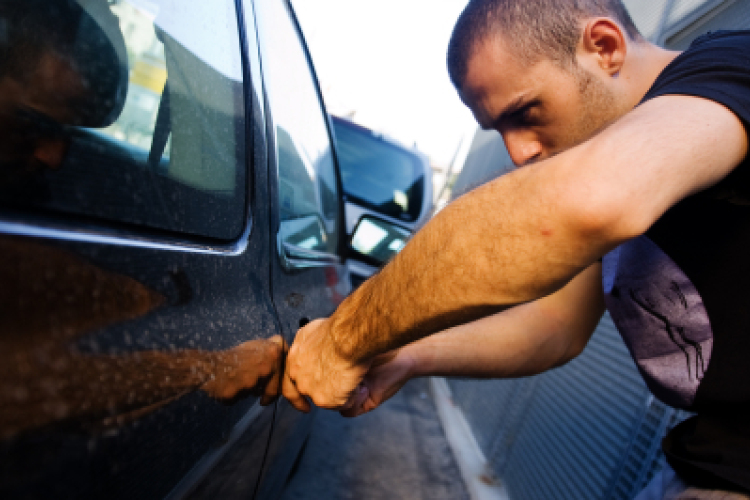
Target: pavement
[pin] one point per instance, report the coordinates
(398, 451)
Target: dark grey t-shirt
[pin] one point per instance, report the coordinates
(680, 294)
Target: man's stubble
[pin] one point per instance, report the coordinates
(599, 108)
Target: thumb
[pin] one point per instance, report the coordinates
(354, 408)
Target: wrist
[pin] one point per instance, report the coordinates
(412, 360)
(358, 329)
(428, 359)
(345, 340)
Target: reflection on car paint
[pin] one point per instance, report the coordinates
(143, 226)
(49, 299)
(164, 127)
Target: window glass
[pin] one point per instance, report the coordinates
(378, 240)
(378, 174)
(124, 110)
(308, 198)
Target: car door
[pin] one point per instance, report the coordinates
(307, 210)
(135, 247)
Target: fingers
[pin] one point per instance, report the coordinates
(356, 404)
(272, 389)
(267, 399)
(316, 372)
(293, 395)
(356, 400)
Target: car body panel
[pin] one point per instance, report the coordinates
(110, 328)
(296, 292)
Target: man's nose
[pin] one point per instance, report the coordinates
(523, 147)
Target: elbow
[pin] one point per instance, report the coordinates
(597, 206)
(574, 350)
(569, 352)
(565, 339)
(601, 218)
(571, 326)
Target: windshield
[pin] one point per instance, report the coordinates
(377, 174)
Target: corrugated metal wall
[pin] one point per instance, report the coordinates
(577, 428)
(590, 429)
(726, 15)
(568, 433)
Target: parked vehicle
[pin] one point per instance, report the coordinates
(387, 192)
(169, 205)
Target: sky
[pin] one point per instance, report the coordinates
(384, 61)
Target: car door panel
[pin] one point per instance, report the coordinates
(110, 331)
(161, 414)
(304, 288)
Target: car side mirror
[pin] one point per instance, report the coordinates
(376, 241)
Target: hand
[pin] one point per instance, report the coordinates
(315, 369)
(253, 367)
(388, 374)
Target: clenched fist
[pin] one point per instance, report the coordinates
(315, 369)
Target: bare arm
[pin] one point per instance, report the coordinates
(524, 340)
(526, 234)
(523, 236)
(521, 341)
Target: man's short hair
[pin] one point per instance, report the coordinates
(534, 29)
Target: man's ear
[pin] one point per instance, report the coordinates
(605, 42)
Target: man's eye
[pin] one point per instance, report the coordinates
(525, 116)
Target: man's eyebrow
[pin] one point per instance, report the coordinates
(516, 104)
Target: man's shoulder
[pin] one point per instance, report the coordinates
(715, 66)
(717, 47)
(721, 38)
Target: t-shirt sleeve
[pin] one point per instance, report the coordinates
(716, 67)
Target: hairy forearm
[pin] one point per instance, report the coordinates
(524, 235)
(519, 238)
(508, 242)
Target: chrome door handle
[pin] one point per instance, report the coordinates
(296, 257)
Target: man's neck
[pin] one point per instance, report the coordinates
(646, 63)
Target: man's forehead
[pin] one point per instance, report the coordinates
(496, 81)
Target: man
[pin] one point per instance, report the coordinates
(631, 196)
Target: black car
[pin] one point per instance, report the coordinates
(170, 210)
(387, 191)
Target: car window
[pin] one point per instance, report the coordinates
(377, 174)
(378, 240)
(129, 111)
(308, 197)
